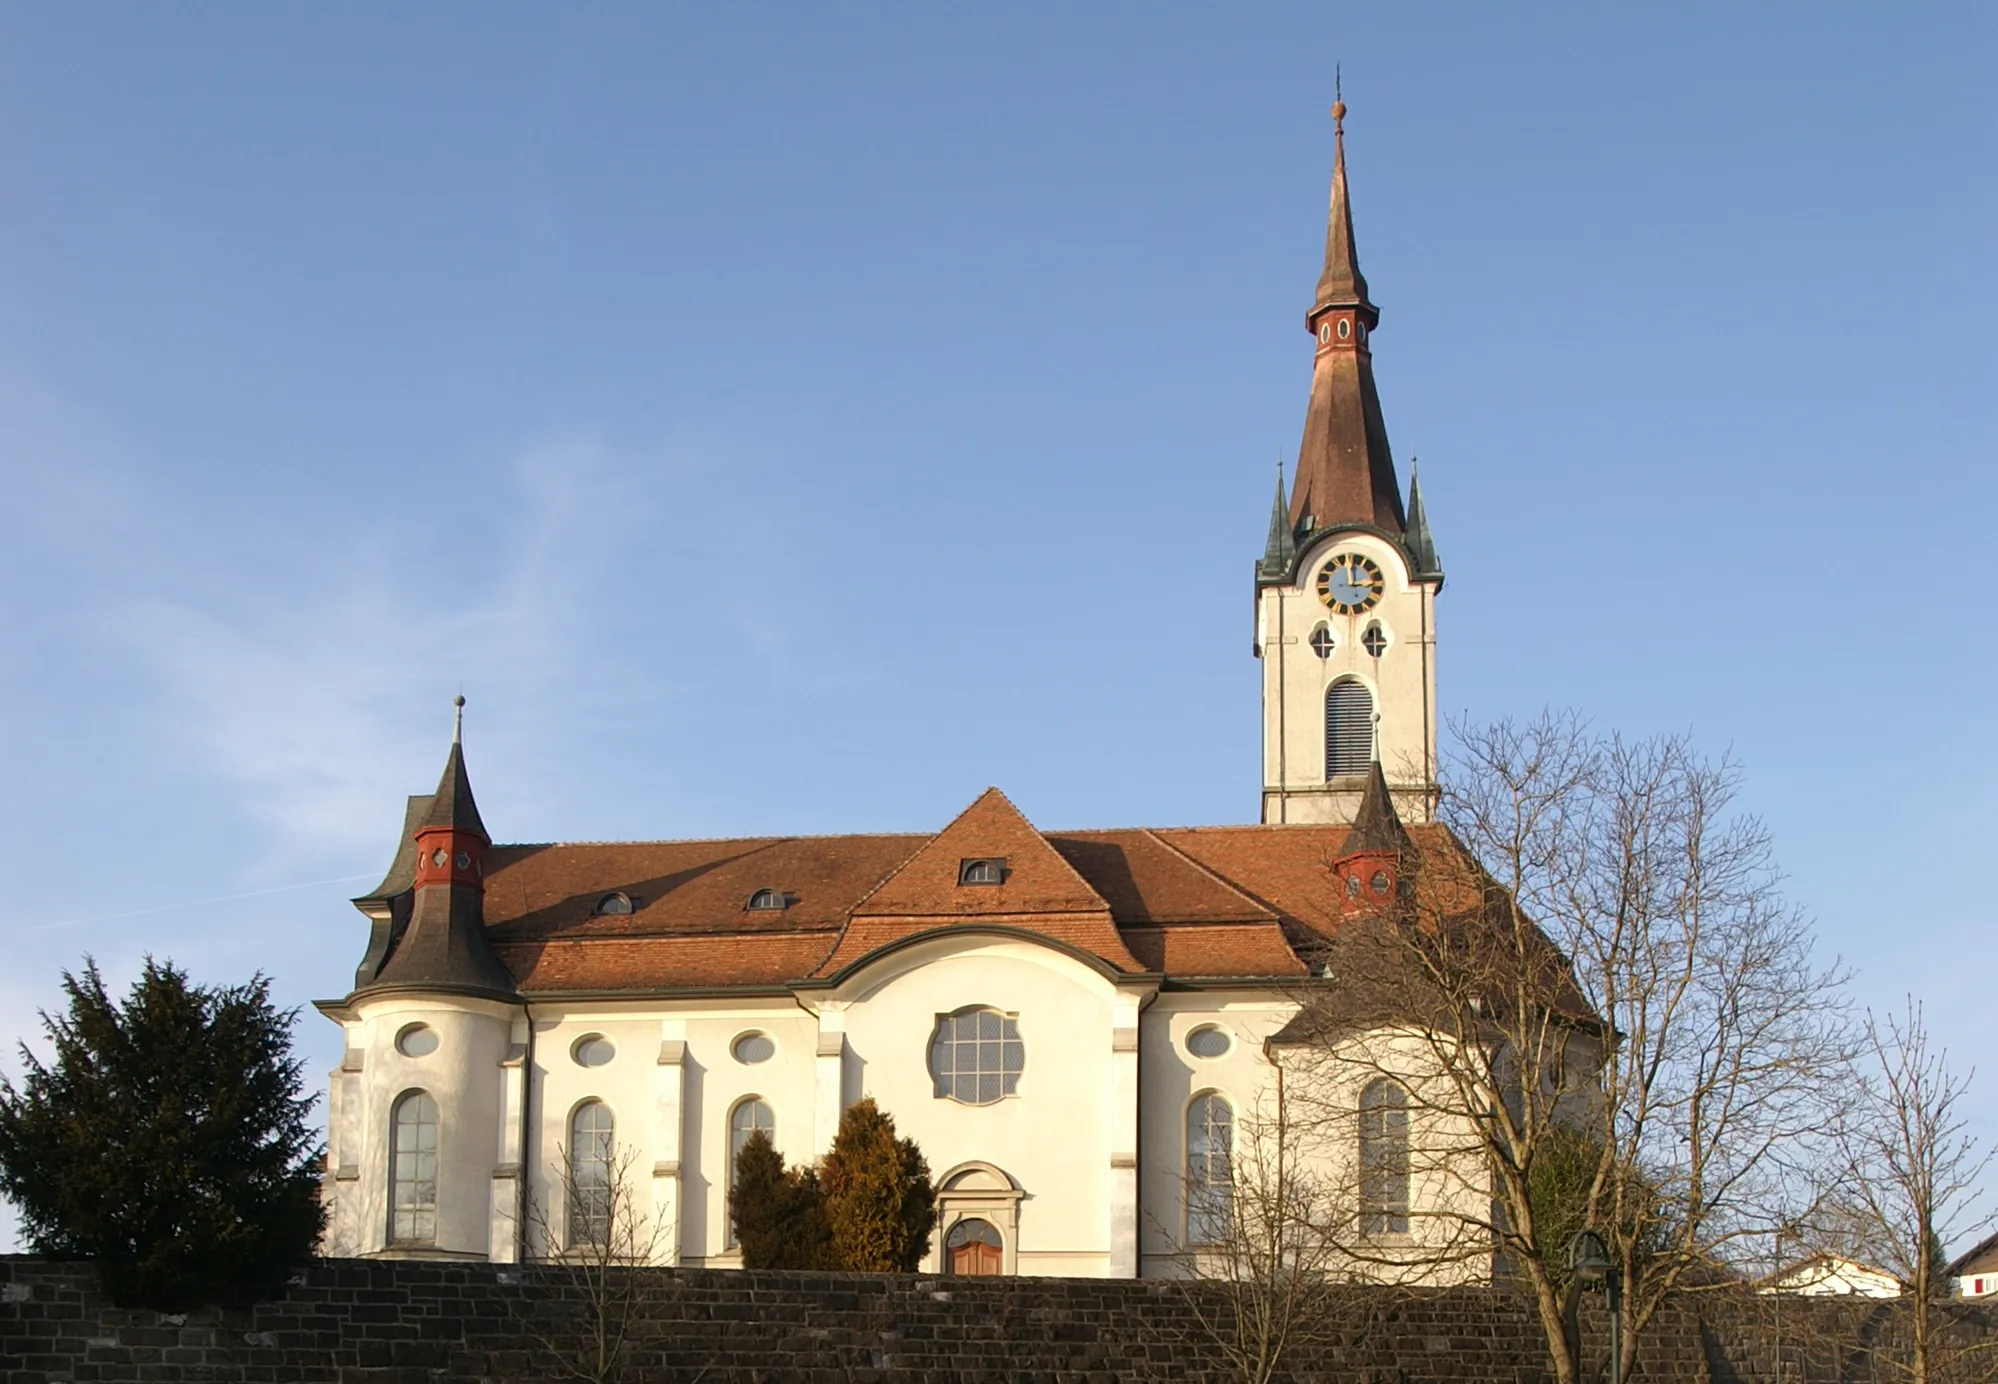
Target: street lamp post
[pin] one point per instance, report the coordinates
(1589, 1261)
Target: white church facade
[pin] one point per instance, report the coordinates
(1070, 1024)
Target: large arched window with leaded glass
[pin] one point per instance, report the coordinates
(413, 1170)
(592, 1174)
(750, 1116)
(1384, 1158)
(1349, 729)
(1210, 1168)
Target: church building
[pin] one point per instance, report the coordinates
(1070, 1024)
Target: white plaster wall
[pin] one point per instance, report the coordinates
(1054, 1138)
(464, 1077)
(1170, 1079)
(1295, 680)
(689, 1201)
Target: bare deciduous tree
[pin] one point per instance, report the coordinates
(1912, 1184)
(1260, 1272)
(596, 1253)
(1594, 947)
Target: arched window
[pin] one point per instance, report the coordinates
(1384, 1158)
(592, 1144)
(749, 1117)
(413, 1170)
(619, 902)
(1349, 729)
(1210, 1178)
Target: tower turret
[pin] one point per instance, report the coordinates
(443, 944)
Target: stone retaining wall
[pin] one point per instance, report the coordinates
(374, 1322)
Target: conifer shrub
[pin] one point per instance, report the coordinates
(878, 1199)
(168, 1141)
(779, 1212)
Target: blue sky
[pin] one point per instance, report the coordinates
(795, 418)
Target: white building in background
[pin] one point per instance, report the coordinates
(1070, 1024)
(1832, 1275)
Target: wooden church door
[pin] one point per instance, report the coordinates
(974, 1247)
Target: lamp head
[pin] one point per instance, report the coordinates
(1588, 1257)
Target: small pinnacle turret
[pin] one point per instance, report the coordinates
(1421, 547)
(1282, 545)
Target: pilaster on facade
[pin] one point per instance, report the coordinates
(506, 1229)
(830, 1091)
(1120, 1122)
(668, 1125)
(343, 1150)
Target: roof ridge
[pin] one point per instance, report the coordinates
(772, 838)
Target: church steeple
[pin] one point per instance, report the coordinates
(1345, 472)
(1347, 583)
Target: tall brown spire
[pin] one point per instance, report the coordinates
(1345, 472)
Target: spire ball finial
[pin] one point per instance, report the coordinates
(458, 719)
(1338, 110)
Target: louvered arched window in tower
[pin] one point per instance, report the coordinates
(1349, 729)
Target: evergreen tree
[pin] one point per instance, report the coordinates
(879, 1202)
(779, 1212)
(169, 1141)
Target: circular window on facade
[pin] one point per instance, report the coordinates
(593, 1050)
(752, 1048)
(1208, 1041)
(976, 1056)
(417, 1040)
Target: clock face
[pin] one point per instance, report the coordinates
(1349, 584)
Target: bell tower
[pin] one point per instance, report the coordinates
(1346, 587)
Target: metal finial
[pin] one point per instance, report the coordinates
(1338, 100)
(458, 720)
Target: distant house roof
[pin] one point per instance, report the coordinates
(1980, 1258)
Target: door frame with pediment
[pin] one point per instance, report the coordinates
(978, 1191)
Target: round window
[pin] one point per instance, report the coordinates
(1379, 883)
(595, 1050)
(417, 1040)
(1208, 1041)
(752, 1048)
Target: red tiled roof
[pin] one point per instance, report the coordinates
(1189, 903)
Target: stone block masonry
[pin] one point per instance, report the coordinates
(408, 1322)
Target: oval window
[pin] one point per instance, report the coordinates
(595, 1050)
(1208, 1041)
(752, 1048)
(417, 1040)
(1379, 883)
(1345, 329)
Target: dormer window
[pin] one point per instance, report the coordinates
(986, 871)
(615, 902)
(769, 900)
